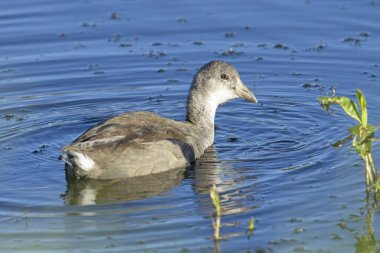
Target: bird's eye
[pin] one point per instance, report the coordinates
(224, 76)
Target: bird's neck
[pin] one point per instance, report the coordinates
(201, 108)
(201, 115)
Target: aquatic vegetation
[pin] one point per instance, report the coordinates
(251, 226)
(363, 134)
(216, 218)
(214, 195)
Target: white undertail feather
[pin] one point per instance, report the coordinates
(83, 161)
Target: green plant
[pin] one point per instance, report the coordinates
(363, 134)
(216, 217)
(251, 226)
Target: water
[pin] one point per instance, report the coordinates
(64, 66)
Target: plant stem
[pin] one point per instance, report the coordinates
(367, 172)
(216, 224)
(216, 216)
(374, 172)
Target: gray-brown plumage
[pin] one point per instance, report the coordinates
(141, 143)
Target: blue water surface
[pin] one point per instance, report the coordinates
(66, 65)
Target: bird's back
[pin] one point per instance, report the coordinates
(132, 144)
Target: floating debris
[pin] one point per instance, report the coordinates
(372, 76)
(182, 20)
(115, 15)
(294, 220)
(342, 225)
(298, 230)
(296, 73)
(311, 85)
(7, 70)
(230, 52)
(232, 139)
(80, 45)
(263, 45)
(281, 46)
(44, 146)
(364, 34)
(160, 70)
(155, 99)
(116, 37)
(352, 40)
(125, 45)
(198, 43)
(156, 54)
(40, 149)
(229, 34)
(19, 117)
(336, 237)
(282, 240)
(238, 45)
(9, 116)
(86, 24)
(317, 48)
(95, 68)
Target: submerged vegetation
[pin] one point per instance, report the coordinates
(251, 226)
(216, 216)
(363, 134)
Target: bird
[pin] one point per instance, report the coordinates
(141, 143)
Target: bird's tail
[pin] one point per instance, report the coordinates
(78, 163)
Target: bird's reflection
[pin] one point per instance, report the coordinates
(204, 173)
(209, 171)
(89, 191)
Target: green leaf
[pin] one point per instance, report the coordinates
(355, 130)
(363, 105)
(372, 128)
(325, 103)
(361, 149)
(363, 138)
(349, 106)
(324, 100)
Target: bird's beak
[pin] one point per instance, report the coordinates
(243, 92)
